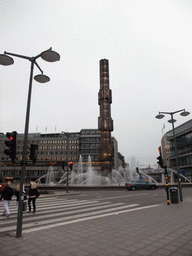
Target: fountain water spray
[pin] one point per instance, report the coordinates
(86, 175)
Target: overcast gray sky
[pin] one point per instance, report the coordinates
(149, 48)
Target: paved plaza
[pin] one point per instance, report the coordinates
(160, 230)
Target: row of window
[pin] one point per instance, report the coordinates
(90, 132)
(70, 158)
(180, 129)
(88, 151)
(93, 158)
(58, 153)
(55, 158)
(53, 147)
(50, 142)
(184, 139)
(93, 139)
(58, 141)
(91, 145)
(185, 160)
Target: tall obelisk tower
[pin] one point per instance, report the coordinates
(105, 122)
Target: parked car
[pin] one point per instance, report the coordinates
(2, 186)
(140, 184)
(3, 182)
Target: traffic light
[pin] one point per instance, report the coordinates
(33, 152)
(159, 158)
(71, 165)
(160, 161)
(11, 145)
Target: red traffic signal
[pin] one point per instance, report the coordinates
(159, 158)
(11, 145)
(70, 165)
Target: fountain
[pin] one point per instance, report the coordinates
(86, 175)
(52, 177)
(174, 174)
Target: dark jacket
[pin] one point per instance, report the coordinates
(7, 193)
(33, 192)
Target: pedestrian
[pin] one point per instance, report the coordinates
(33, 194)
(17, 195)
(6, 195)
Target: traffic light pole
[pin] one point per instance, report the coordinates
(67, 179)
(160, 163)
(167, 185)
(67, 185)
(5, 60)
(177, 162)
(160, 116)
(23, 163)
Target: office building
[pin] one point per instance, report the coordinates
(183, 134)
(53, 149)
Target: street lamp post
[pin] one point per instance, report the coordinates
(172, 121)
(67, 184)
(6, 60)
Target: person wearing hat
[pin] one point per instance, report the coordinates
(33, 194)
(6, 195)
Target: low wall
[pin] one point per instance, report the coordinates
(43, 187)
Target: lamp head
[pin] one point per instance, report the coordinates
(6, 60)
(50, 55)
(160, 116)
(42, 78)
(172, 121)
(185, 113)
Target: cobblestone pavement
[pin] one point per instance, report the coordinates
(161, 230)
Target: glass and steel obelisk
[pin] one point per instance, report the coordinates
(105, 122)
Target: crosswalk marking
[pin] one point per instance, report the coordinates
(72, 217)
(58, 211)
(87, 218)
(59, 205)
(51, 215)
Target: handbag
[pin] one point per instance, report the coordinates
(24, 206)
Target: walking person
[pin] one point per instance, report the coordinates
(17, 195)
(33, 194)
(6, 195)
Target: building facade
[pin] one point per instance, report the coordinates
(183, 134)
(53, 149)
(165, 150)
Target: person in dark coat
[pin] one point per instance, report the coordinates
(33, 194)
(6, 195)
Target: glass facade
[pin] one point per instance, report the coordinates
(183, 135)
(89, 144)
